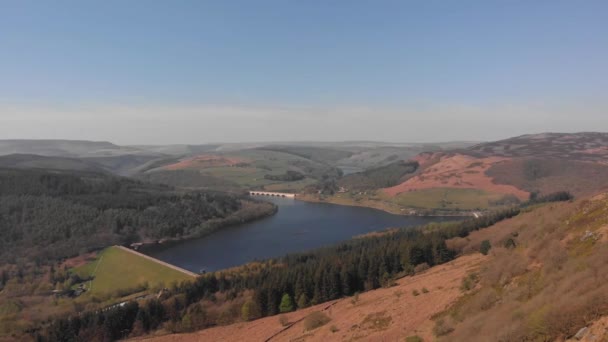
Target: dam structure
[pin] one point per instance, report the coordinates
(272, 194)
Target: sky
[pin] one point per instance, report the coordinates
(172, 72)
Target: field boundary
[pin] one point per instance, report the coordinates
(192, 274)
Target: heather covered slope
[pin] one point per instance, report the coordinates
(584, 146)
(544, 280)
(387, 314)
(488, 175)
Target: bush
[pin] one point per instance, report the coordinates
(425, 290)
(485, 247)
(334, 329)
(442, 328)
(283, 320)
(315, 320)
(469, 282)
(415, 292)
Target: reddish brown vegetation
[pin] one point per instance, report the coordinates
(549, 286)
(442, 170)
(386, 314)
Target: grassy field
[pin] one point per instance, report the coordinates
(116, 269)
(265, 163)
(447, 198)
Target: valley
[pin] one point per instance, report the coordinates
(187, 205)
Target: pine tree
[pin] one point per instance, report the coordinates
(286, 304)
(302, 301)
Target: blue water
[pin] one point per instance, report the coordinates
(297, 226)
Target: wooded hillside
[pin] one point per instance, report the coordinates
(47, 215)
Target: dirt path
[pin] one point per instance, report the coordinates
(192, 274)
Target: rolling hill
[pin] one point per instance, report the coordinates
(32, 161)
(489, 175)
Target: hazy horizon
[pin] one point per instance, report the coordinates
(199, 72)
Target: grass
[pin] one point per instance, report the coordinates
(115, 269)
(446, 198)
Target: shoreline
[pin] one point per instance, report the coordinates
(312, 199)
(144, 247)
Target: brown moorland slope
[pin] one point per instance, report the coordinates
(386, 314)
(541, 163)
(457, 171)
(584, 146)
(550, 282)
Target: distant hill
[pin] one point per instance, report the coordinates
(32, 161)
(61, 148)
(487, 175)
(540, 163)
(586, 146)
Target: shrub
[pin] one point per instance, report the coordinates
(283, 320)
(355, 298)
(425, 290)
(510, 243)
(485, 247)
(334, 329)
(469, 282)
(442, 328)
(315, 320)
(415, 292)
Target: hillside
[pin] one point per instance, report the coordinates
(32, 161)
(258, 168)
(62, 148)
(57, 214)
(386, 314)
(586, 146)
(486, 176)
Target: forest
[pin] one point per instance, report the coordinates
(294, 281)
(381, 177)
(50, 215)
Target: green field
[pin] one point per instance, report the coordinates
(446, 198)
(116, 269)
(266, 163)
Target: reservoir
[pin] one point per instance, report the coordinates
(297, 227)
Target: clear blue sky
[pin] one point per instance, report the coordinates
(74, 64)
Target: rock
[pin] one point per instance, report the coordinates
(581, 333)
